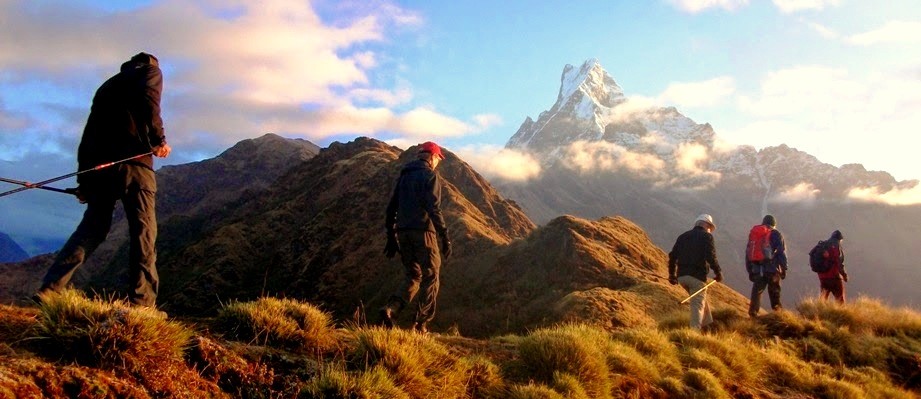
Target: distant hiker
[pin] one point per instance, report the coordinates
(124, 121)
(831, 254)
(415, 226)
(689, 263)
(766, 261)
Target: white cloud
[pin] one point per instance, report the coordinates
(695, 6)
(891, 32)
(897, 196)
(698, 94)
(591, 156)
(822, 30)
(817, 108)
(496, 162)
(233, 69)
(791, 6)
(801, 193)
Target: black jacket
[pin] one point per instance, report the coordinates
(693, 255)
(124, 119)
(416, 200)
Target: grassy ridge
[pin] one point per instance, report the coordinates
(78, 347)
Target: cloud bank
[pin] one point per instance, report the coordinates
(232, 69)
(496, 162)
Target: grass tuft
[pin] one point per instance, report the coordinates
(278, 322)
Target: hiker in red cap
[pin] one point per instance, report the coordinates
(415, 227)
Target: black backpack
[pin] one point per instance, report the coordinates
(819, 260)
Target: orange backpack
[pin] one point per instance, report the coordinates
(759, 244)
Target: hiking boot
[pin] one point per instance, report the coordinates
(387, 317)
(420, 328)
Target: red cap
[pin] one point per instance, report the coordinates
(432, 148)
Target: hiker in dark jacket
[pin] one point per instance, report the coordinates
(769, 272)
(415, 226)
(689, 263)
(832, 280)
(124, 121)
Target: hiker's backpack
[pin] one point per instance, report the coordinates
(759, 244)
(819, 258)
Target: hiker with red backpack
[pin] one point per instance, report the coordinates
(827, 259)
(766, 261)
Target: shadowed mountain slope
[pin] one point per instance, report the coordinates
(184, 191)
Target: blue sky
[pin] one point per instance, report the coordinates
(840, 79)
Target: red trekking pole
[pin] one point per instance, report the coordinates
(41, 184)
(27, 184)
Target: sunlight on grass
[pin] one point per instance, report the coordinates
(278, 322)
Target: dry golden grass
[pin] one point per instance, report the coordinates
(77, 347)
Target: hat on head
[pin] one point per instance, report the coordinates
(145, 58)
(431, 148)
(836, 235)
(769, 220)
(705, 218)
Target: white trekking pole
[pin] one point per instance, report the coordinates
(699, 291)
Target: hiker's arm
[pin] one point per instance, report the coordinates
(153, 87)
(711, 256)
(780, 252)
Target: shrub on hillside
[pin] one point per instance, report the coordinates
(278, 322)
(577, 350)
(134, 341)
(110, 334)
(416, 363)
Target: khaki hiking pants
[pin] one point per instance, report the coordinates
(700, 308)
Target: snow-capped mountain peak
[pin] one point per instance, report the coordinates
(592, 81)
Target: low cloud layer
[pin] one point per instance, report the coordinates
(686, 168)
(897, 196)
(496, 162)
(803, 193)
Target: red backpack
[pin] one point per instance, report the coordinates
(759, 244)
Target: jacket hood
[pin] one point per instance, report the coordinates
(416, 165)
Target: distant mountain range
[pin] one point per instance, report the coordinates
(10, 251)
(604, 155)
(316, 233)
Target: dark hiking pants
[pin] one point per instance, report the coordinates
(422, 265)
(772, 282)
(136, 187)
(833, 286)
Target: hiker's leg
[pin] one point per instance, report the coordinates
(92, 231)
(410, 241)
(142, 253)
(430, 260)
(774, 290)
(757, 288)
(839, 290)
(692, 285)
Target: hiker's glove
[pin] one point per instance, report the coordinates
(783, 274)
(445, 247)
(392, 246)
(672, 280)
(79, 194)
(718, 277)
(844, 276)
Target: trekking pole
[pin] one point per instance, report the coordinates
(699, 291)
(71, 191)
(42, 183)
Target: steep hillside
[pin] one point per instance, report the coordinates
(184, 191)
(318, 236)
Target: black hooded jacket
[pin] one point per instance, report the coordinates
(416, 200)
(694, 254)
(124, 120)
